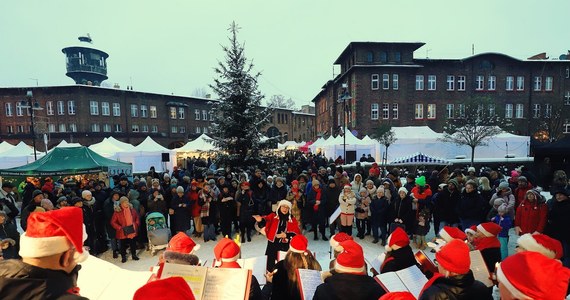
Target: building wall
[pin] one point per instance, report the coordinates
(359, 77)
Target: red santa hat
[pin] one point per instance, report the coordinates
(489, 229)
(166, 289)
(398, 239)
(541, 243)
(54, 232)
(182, 243)
(454, 257)
(471, 230)
(347, 185)
(299, 244)
(449, 233)
(227, 252)
(398, 296)
(351, 259)
(337, 239)
(528, 275)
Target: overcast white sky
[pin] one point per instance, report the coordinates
(172, 46)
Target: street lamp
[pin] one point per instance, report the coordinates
(345, 96)
(31, 108)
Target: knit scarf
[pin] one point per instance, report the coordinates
(317, 193)
(128, 220)
(296, 193)
(487, 242)
(205, 209)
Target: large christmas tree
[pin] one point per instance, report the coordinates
(238, 115)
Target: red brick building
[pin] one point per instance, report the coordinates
(386, 84)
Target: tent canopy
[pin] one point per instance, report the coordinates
(200, 144)
(68, 161)
(5, 146)
(149, 145)
(21, 150)
(419, 158)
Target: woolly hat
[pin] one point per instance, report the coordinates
(295, 182)
(85, 193)
(471, 230)
(397, 239)
(123, 199)
(165, 289)
(522, 178)
(179, 189)
(421, 181)
(337, 239)
(36, 193)
(351, 259)
(227, 251)
(514, 173)
(454, 182)
(398, 296)
(502, 208)
(503, 185)
(529, 275)
(182, 243)
(534, 192)
(449, 233)
(498, 202)
(54, 232)
(489, 229)
(471, 169)
(283, 203)
(454, 257)
(541, 243)
(403, 189)
(442, 185)
(299, 244)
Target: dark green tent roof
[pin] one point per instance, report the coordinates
(67, 161)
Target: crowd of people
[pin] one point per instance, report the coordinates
(283, 203)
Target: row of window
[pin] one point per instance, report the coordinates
(453, 83)
(60, 106)
(385, 111)
(382, 56)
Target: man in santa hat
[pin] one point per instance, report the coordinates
(532, 275)
(540, 243)
(399, 254)
(181, 250)
(167, 289)
(51, 249)
(488, 243)
(455, 280)
(349, 279)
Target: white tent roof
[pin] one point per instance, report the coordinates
(124, 146)
(5, 146)
(289, 145)
(21, 150)
(65, 144)
(415, 133)
(201, 143)
(106, 148)
(350, 140)
(149, 145)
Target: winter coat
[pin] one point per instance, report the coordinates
(520, 194)
(471, 206)
(379, 210)
(118, 222)
(182, 216)
(506, 223)
(332, 194)
(7, 204)
(19, 280)
(423, 196)
(558, 220)
(261, 199)
(459, 287)
(193, 197)
(347, 202)
(277, 193)
(227, 207)
(342, 286)
(26, 213)
(398, 259)
(531, 217)
(402, 209)
(247, 208)
(157, 205)
(321, 210)
(109, 211)
(272, 224)
(356, 186)
(446, 206)
(364, 204)
(9, 231)
(508, 198)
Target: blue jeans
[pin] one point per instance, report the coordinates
(504, 247)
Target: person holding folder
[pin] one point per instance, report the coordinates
(399, 254)
(126, 223)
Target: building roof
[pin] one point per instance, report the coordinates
(413, 45)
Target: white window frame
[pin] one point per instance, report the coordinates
(492, 83)
(395, 111)
(172, 113)
(374, 111)
(51, 128)
(182, 129)
(20, 128)
(419, 111)
(520, 83)
(19, 109)
(450, 110)
(144, 111)
(94, 108)
(173, 129)
(116, 110)
(419, 82)
(547, 110)
(492, 109)
(107, 128)
(479, 83)
(566, 126)
(205, 130)
(144, 128)
(374, 82)
(10, 129)
(450, 82)
(385, 81)
(152, 112)
(8, 108)
(198, 130)
(385, 111)
(95, 127)
(105, 109)
(181, 113)
(510, 83)
(60, 108)
(548, 83)
(537, 83)
(431, 111)
(197, 115)
(71, 107)
(567, 98)
(62, 128)
(461, 107)
(461, 80)
(519, 111)
(73, 127)
(134, 111)
(135, 128)
(395, 81)
(205, 116)
(49, 108)
(211, 115)
(154, 129)
(118, 128)
(536, 111)
(509, 111)
(432, 82)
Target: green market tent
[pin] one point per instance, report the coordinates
(69, 161)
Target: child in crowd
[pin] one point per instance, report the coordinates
(421, 229)
(362, 209)
(504, 220)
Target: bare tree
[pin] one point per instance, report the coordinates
(200, 92)
(385, 136)
(475, 121)
(279, 101)
(548, 124)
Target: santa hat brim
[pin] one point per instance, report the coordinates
(42, 247)
(470, 231)
(342, 269)
(530, 244)
(445, 236)
(485, 232)
(517, 294)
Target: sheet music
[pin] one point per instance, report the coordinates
(257, 265)
(413, 279)
(392, 282)
(334, 215)
(376, 263)
(479, 268)
(226, 284)
(195, 276)
(310, 280)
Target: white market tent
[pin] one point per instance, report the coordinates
(290, 145)
(334, 146)
(107, 149)
(17, 156)
(5, 146)
(122, 145)
(65, 144)
(146, 154)
(203, 143)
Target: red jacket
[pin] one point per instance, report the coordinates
(194, 197)
(520, 194)
(272, 222)
(118, 222)
(531, 217)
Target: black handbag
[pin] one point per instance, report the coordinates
(129, 229)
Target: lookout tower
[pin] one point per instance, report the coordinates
(85, 64)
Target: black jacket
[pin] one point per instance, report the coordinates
(471, 206)
(457, 287)
(558, 220)
(19, 280)
(399, 259)
(344, 286)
